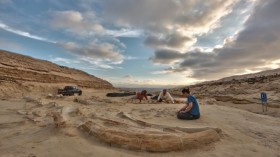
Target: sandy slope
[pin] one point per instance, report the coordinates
(243, 133)
(17, 71)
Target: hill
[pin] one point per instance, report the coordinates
(24, 73)
(240, 89)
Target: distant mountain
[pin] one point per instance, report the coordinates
(21, 69)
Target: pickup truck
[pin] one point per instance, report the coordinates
(69, 90)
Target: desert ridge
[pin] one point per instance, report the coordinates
(27, 74)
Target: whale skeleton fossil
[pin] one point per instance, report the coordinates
(140, 135)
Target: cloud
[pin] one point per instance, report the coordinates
(22, 33)
(58, 59)
(166, 56)
(163, 15)
(128, 76)
(83, 62)
(87, 24)
(75, 22)
(97, 45)
(100, 55)
(124, 32)
(99, 63)
(96, 51)
(254, 48)
(173, 25)
(132, 58)
(175, 40)
(70, 46)
(139, 82)
(130, 82)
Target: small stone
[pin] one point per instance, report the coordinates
(21, 112)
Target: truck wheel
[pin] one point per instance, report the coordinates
(80, 93)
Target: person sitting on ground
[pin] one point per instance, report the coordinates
(141, 95)
(164, 95)
(191, 110)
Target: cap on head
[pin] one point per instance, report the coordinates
(186, 90)
(164, 90)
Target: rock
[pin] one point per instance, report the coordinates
(50, 96)
(22, 112)
(37, 113)
(52, 104)
(59, 96)
(71, 132)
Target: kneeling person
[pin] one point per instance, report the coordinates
(191, 109)
(164, 95)
(141, 96)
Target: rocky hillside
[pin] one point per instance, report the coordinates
(241, 89)
(18, 70)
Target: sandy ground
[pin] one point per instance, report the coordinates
(26, 130)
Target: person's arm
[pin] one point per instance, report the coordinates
(145, 95)
(183, 108)
(159, 96)
(189, 107)
(170, 97)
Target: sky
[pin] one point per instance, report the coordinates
(146, 43)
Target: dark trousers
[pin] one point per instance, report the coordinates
(187, 116)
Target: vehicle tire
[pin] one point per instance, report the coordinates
(80, 93)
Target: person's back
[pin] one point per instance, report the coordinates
(141, 95)
(195, 108)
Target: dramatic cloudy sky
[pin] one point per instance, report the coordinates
(155, 43)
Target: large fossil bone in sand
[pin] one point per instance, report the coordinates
(164, 127)
(130, 137)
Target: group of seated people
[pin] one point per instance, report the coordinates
(163, 96)
(189, 112)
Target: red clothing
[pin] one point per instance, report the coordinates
(141, 96)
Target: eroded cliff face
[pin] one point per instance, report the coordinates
(241, 89)
(17, 72)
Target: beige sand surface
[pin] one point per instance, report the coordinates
(27, 129)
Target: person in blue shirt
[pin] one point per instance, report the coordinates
(191, 110)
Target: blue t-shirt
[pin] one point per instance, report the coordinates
(195, 109)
